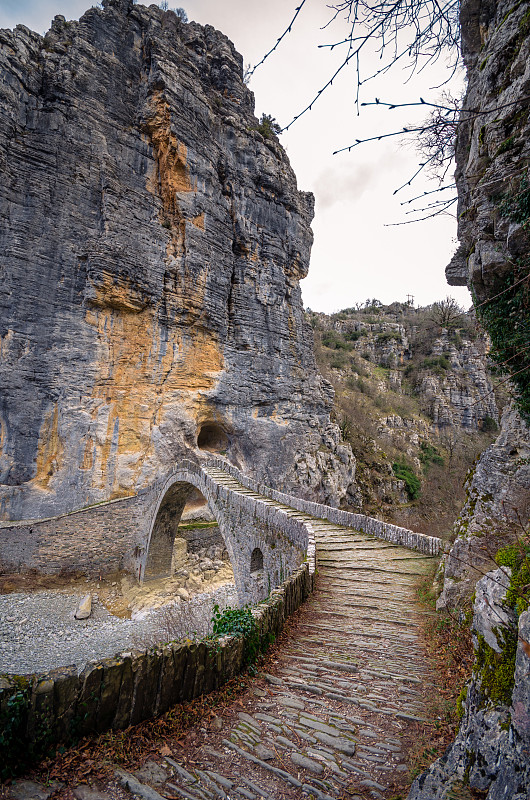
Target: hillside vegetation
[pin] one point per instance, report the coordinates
(414, 398)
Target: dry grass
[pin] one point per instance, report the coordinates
(447, 639)
(175, 621)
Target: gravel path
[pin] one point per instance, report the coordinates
(38, 631)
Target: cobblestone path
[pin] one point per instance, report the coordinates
(333, 716)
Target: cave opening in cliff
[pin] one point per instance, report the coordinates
(212, 437)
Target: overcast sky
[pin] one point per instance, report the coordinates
(357, 253)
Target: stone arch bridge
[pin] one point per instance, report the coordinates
(268, 534)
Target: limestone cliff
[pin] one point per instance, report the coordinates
(493, 150)
(151, 245)
(496, 510)
(489, 757)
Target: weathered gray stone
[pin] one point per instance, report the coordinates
(30, 790)
(490, 753)
(128, 781)
(89, 793)
(521, 692)
(151, 773)
(306, 763)
(265, 753)
(281, 773)
(498, 499)
(489, 613)
(176, 286)
(84, 609)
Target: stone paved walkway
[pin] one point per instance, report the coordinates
(334, 714)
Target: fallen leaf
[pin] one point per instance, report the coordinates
(525, 646)
(165, 750)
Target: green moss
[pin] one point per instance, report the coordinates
(517, 557)
(471, 757)
(460, 702)
(508, 144)
(509, 13)
(497, 670)
(524, 24)
(483, 63)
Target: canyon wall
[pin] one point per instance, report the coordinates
(412, 388)
(489, 757)
(151, 247)
(493, 149)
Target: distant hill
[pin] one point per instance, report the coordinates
(414, 397)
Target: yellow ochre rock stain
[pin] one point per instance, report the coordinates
(49, 448)
(88, 456)
(171, 175)
(142, 369)
(198, 221)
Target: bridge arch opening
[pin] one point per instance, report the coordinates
(212, 437)
(165, 529)
(256, 561)
(186, 542)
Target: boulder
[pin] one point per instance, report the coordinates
(84, 609)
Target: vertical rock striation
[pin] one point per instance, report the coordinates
(489, 757)
(152, 241)
(493, 152)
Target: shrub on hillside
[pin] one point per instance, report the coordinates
(406, 474)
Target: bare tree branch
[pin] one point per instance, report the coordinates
(251, 72)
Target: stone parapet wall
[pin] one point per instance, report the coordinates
(102, 537)
(120, 535)
(62, 706)
(429, 545)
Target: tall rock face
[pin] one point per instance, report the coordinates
(493, 154)
(489, 757)
(493, 145)
(151, 245)
(496, 510)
